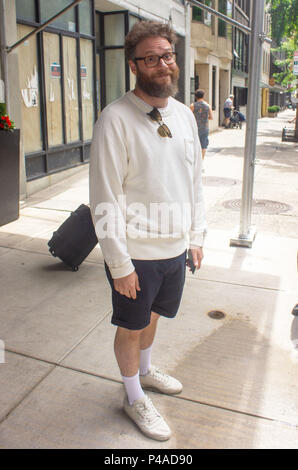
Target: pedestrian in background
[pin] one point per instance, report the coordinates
(145, 149)
(203, 113)
(228, 107)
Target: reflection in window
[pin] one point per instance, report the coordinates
(115, 74)
(202, 15)
(30, 93)
(230, 15)
(222, 26)
(52, 67)
(71, 89)
(114, 30)
(50, 8)
(85, 15)
(25, 10)
(132, 20)
(87, 87)
(207, 15)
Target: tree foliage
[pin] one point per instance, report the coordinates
(284, 15)
(284, 32)
(285, 76)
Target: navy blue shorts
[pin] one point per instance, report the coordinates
(227, 112)
(161, 283)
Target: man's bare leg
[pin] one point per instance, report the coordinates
(128, 347)
(127, 350)
(148, 334)
(128, 344)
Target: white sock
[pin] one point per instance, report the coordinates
(145, 360)
(133, 388)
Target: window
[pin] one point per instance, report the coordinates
(222, 26)
(114, 30)
(115, 74)
(50, 8)
(71, 89)
(230, 15)
(244, 5)
(240, 61)
(202, 15)
(213, 87)
(57, 85)
(52, 72)
(115, 78)
(86, 53)
(85, 17)
(30, 91)
(26, 10)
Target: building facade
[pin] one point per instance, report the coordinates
(211, 53)
(220, 55)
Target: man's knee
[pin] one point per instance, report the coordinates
(128, 335)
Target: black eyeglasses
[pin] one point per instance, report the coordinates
(163, 129)
(153, 60)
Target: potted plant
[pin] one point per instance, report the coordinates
(9, 168)
(273, 110)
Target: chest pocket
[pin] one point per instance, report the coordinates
(189, 151)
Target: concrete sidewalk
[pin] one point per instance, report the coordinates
(60, 385)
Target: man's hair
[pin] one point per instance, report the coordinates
(146, 29)
(231, 96)
(199, 94)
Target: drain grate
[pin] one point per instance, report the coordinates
(260, 206)
(216, 314)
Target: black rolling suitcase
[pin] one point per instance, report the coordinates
(75, 238)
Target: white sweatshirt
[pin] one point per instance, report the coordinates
(145, 190)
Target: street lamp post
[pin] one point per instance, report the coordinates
(247, 232)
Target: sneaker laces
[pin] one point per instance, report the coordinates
(147, 411)
(160, 375)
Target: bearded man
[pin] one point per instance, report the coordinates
(145, 157)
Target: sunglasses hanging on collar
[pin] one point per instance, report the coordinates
(163, 129)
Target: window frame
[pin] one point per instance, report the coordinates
(73, 153)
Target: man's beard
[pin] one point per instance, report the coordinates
(158, 90)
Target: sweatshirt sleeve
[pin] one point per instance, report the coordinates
(108, 169)
(199, 225)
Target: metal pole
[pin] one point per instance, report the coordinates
(187, 54)
(246, 231)
(43, 26)
(4, 62)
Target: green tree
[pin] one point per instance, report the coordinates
(285, 76)
(284, 15)
(284, 32)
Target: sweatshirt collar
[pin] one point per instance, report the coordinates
(145, 107)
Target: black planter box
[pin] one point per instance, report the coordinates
(9, 176)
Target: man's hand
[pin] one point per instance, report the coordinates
(197, 255)
(128, 285)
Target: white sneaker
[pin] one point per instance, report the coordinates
(147, 418)
(158, 380)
